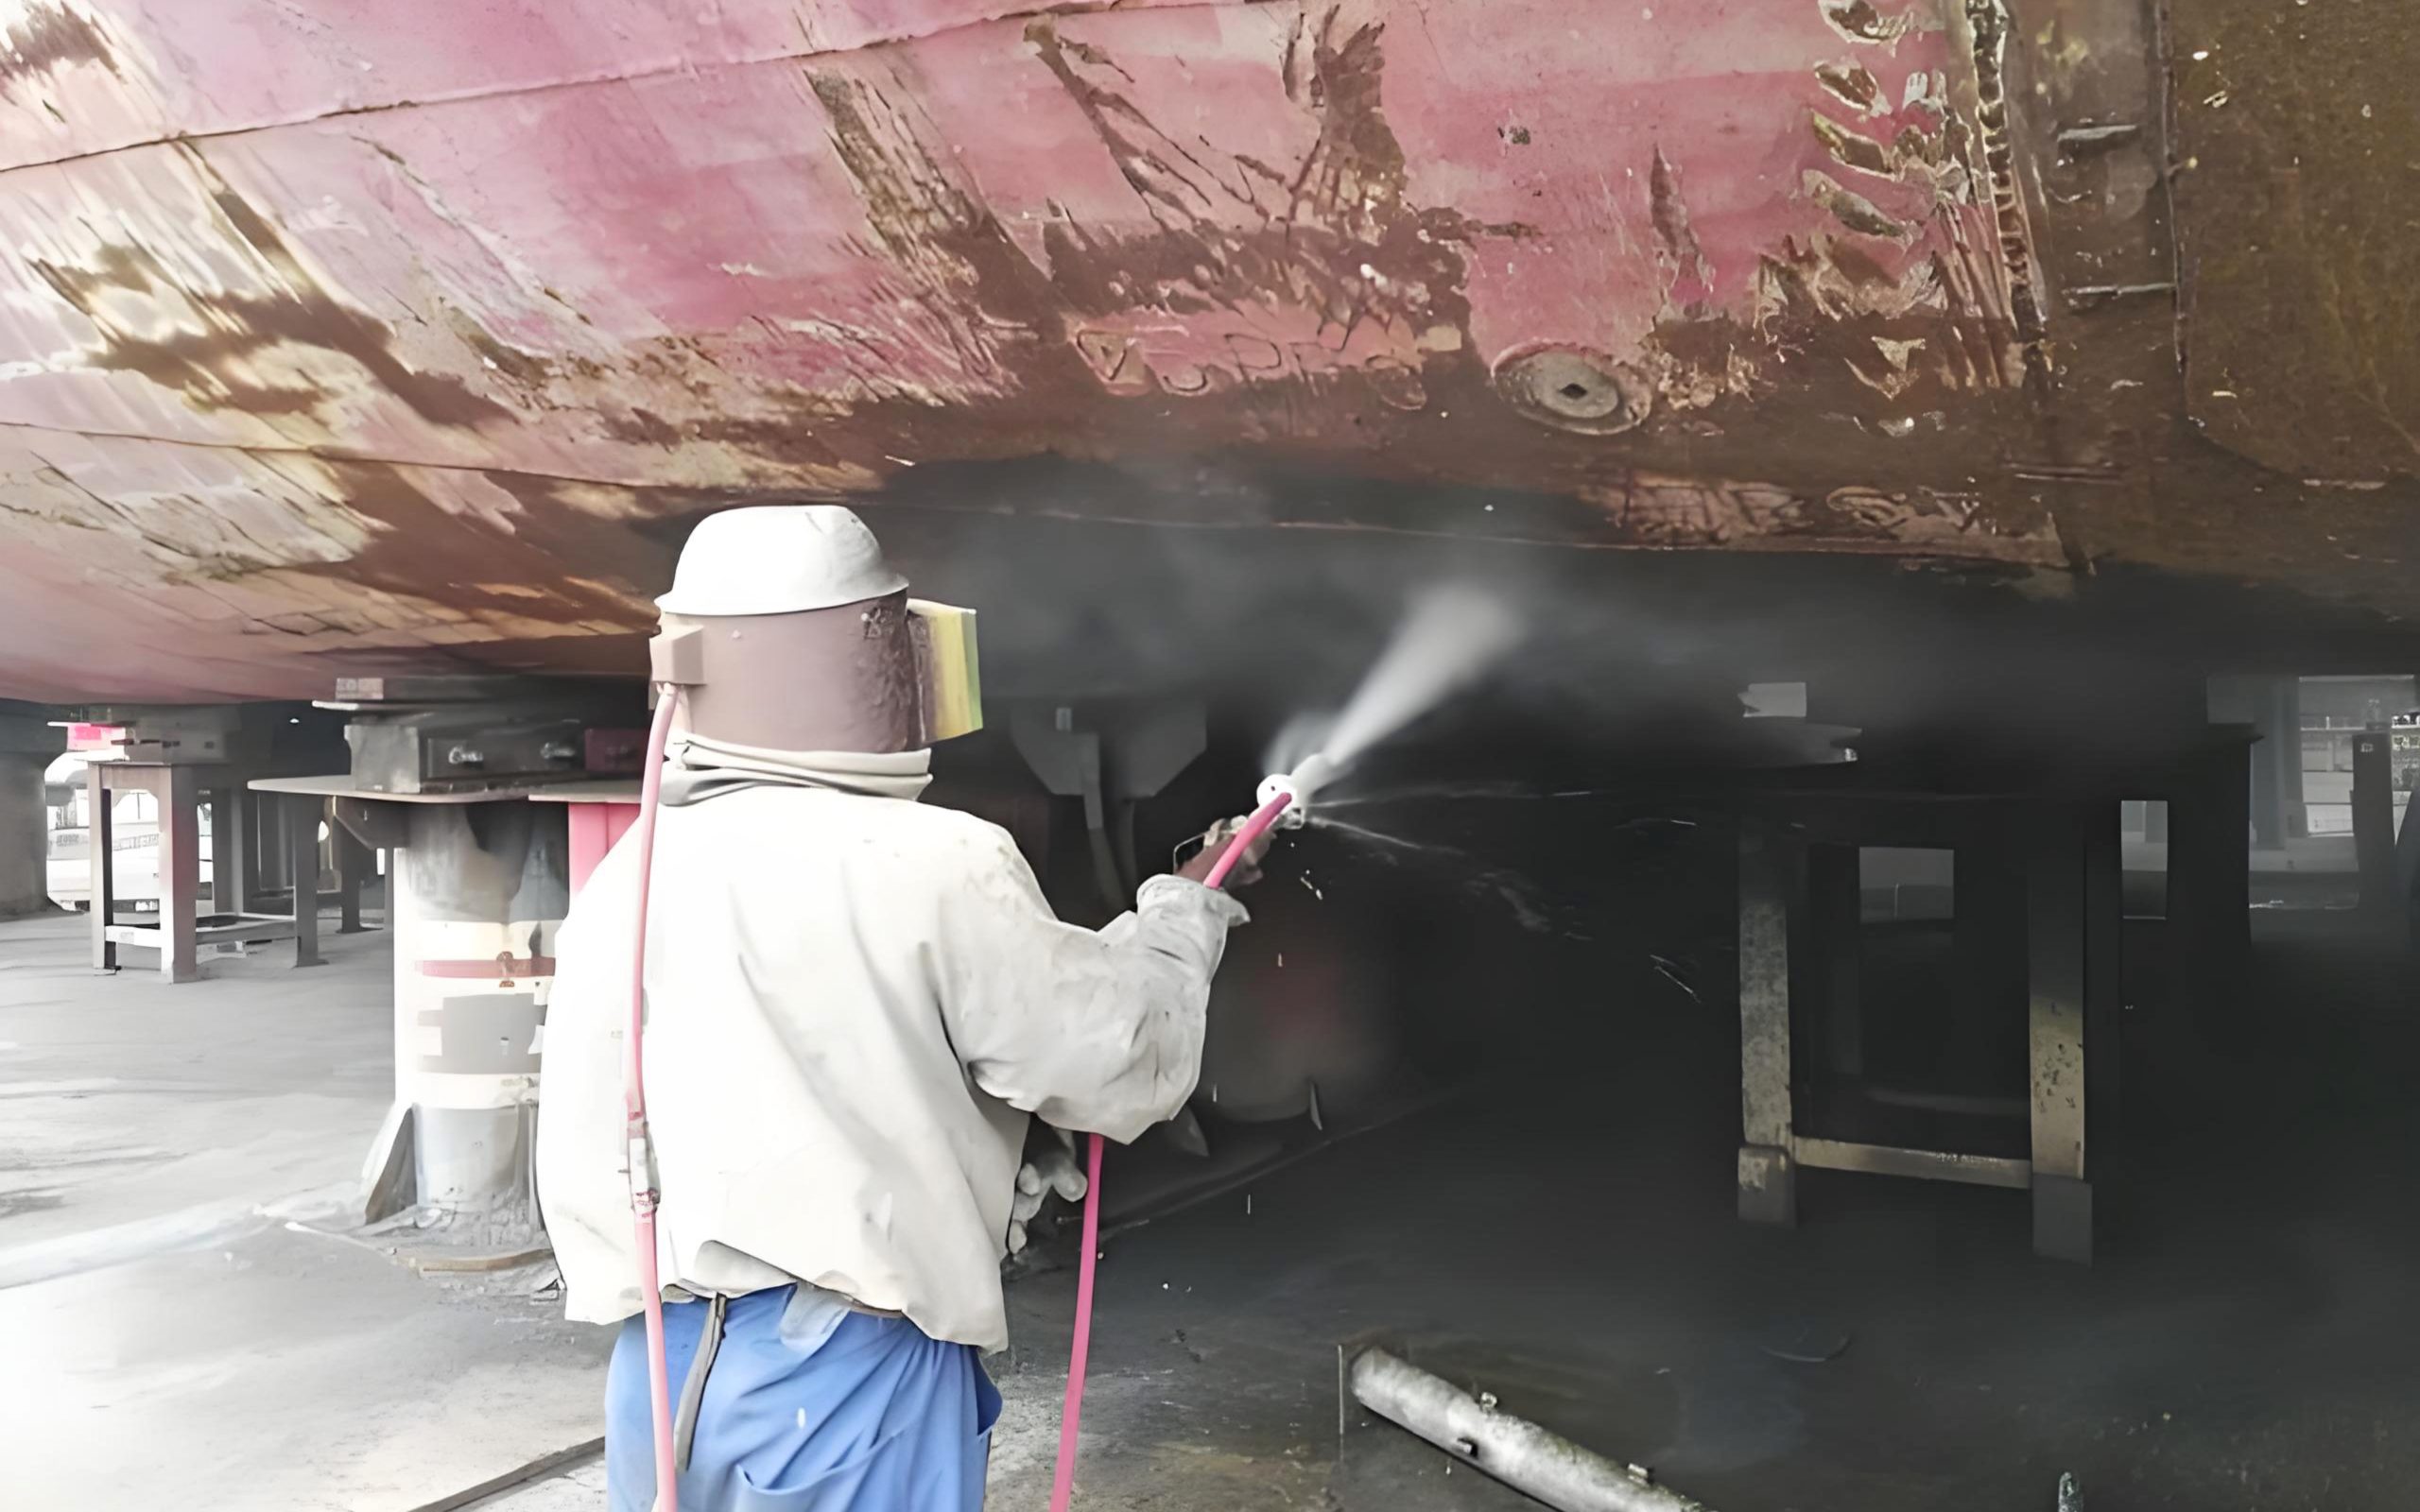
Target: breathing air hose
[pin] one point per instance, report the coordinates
(641, 1150)
(640, 1147)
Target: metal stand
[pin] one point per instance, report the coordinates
(1800, 885)
(1768, 1177)
(2058, 989)
(182, 929)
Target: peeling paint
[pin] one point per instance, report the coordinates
(1851, 84)
(261, 353)
(1853, 151)
(44, 38)
(1861, 21)
(1851, 208)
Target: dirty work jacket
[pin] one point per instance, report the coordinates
(854, 1002)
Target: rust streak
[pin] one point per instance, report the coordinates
(1858, 21)
(49, 38)
(1347, 245)
(210, 365)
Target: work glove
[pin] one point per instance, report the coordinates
(1050, 1166)
(1214, 844)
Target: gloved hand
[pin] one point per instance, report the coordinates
(1214, 844)
(1050, 1165)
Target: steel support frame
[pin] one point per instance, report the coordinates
(2058, 989)
(2072, 914)
(176, 791)
(181, 931)
(1768, 1163)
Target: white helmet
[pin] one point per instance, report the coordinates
(788, 630)
(778, 558)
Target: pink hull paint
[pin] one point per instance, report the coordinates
(390, 335)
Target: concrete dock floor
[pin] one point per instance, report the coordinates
(178, 1333)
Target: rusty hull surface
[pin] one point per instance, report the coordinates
(356, 330)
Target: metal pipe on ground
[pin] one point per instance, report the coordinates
(1520, 1454)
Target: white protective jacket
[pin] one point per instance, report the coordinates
(854, 1002)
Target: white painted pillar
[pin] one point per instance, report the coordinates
(477, 893)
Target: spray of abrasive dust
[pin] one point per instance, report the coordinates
(1452, 635)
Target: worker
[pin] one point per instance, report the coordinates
(856, 1005)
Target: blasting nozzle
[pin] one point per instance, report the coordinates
(1299, 786)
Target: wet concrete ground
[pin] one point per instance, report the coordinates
(171, 1341)
(1565, 1237)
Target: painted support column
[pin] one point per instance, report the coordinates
(475, 894)
(595, 827)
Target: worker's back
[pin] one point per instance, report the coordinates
(850, 999)
(809, 1113)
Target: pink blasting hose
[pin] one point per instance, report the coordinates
(1063, 1485)
(642, 1152)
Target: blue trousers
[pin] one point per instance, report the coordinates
(878, 1418)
